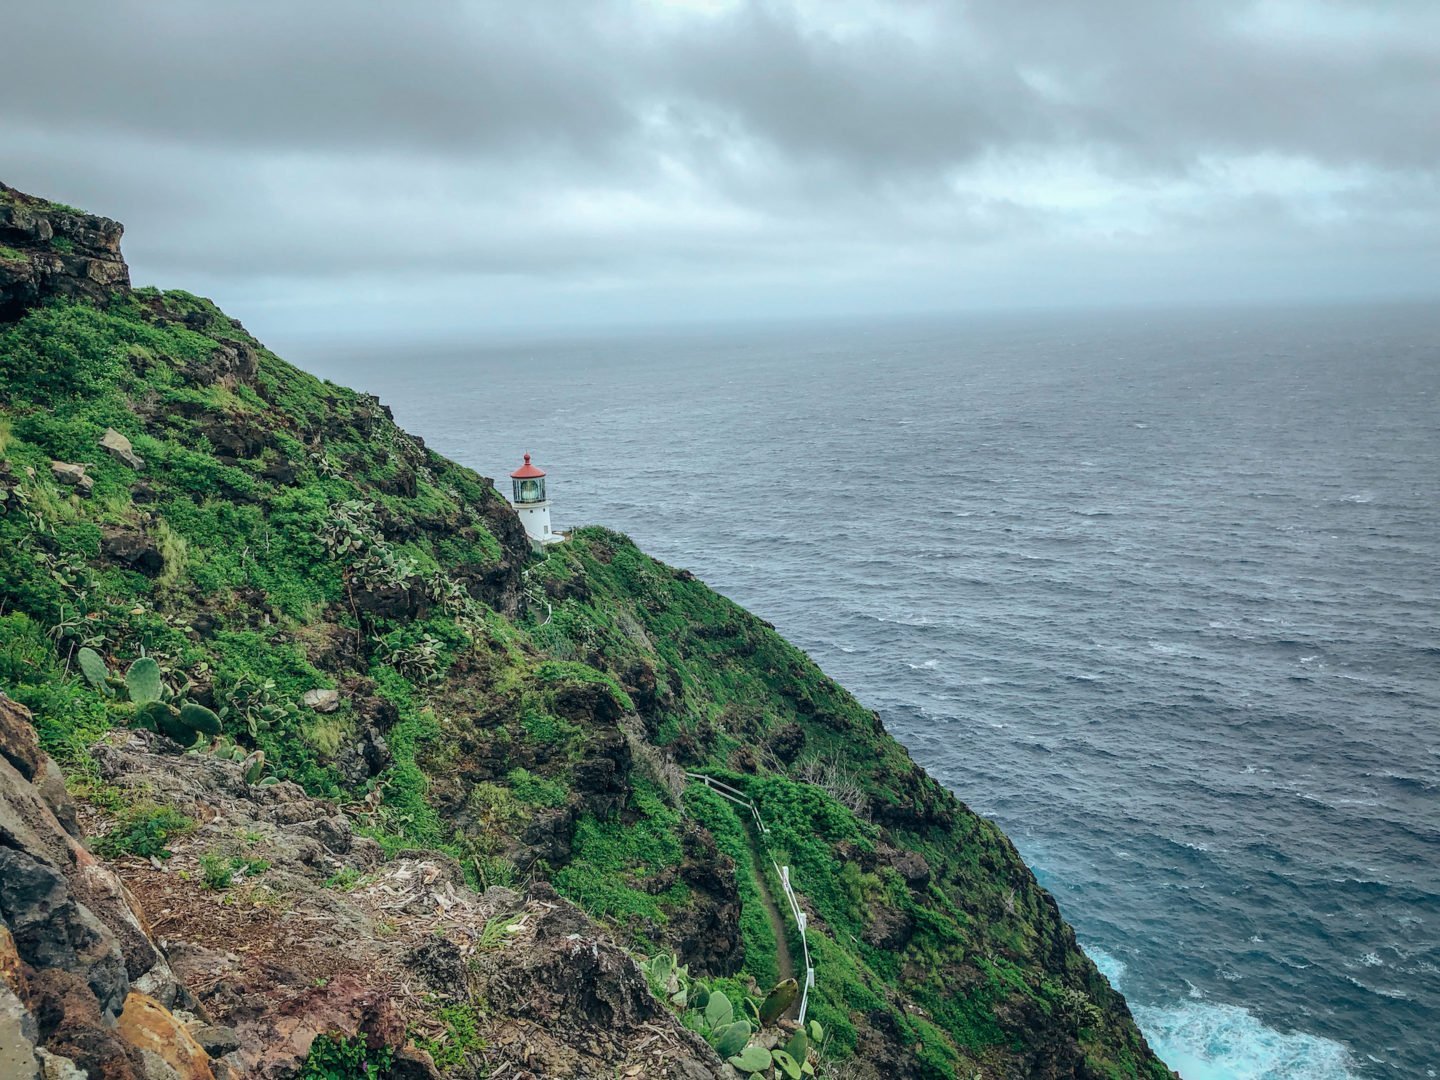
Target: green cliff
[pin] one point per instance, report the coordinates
(263, 534)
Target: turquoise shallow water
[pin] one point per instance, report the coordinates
(1156, 593)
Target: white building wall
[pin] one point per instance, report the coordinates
(536, 519)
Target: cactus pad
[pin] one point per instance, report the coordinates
(93, 668)
(152, 715)
(199, 718)
(732, 1039)
(143, 681)
(253, 766)
(752, 1059)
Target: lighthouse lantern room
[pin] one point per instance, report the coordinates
(531, 503)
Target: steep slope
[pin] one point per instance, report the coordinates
(371, 617)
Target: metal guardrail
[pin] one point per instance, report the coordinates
(725, 791)
(525, 589)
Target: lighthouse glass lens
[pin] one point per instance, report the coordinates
(531, 491)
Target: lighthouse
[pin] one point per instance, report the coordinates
(531, 504)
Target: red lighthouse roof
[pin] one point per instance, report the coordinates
(527, 471)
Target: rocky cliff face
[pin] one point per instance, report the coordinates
(339, 942)
(456, 793)
(51, 250)
(77, 963)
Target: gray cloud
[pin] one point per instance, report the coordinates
(571, 159)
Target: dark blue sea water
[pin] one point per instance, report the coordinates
(1158, 593)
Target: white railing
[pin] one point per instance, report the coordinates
(725, 791)
(525, 588)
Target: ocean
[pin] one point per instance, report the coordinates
(1156, 591)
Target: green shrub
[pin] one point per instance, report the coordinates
(495, 807)
(143, 830)
(495, 870)
(336, 1058)
(343, 879)
(219, 872)
(612, 860)
(543, 727)
(460, 1039)
(26, 656)
(215, 870)
(527, 787)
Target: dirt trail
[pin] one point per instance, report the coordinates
(777, 921)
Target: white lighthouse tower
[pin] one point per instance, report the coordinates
(531, 504)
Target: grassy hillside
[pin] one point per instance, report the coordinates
(533, 716)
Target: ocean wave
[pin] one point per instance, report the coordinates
(901, 620)
(1209, 1041)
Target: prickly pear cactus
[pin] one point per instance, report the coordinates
(253, 766)
(142, 681)
(786, 1065)
(752, 1059)
(174, 728)
(732, 1039)
(152, 715)
(799, 1046)
(93, 668)
(199, 718)
(778, 1001)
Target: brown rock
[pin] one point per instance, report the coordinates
(231, 359)
(132, 549)
(272, 1044)
(71, 1026)
(49, 784)
(410, 1064)
(216, 1041)
(322, 700)
(281, 472)
(709, 937)
(55, 1067)
(395, 602)
(18, 1034)
(913, 868)
(147, 1025)
(890, 928)
(120, 449)
(11, 966)
(68, 473)
(51, 927)
(787, 741)
(92, 269)
(65, 907)
(574, 986)
(18, 744)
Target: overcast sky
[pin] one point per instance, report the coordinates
(445, 168)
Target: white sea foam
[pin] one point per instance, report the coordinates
(906, 620)
(1206, 1041)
